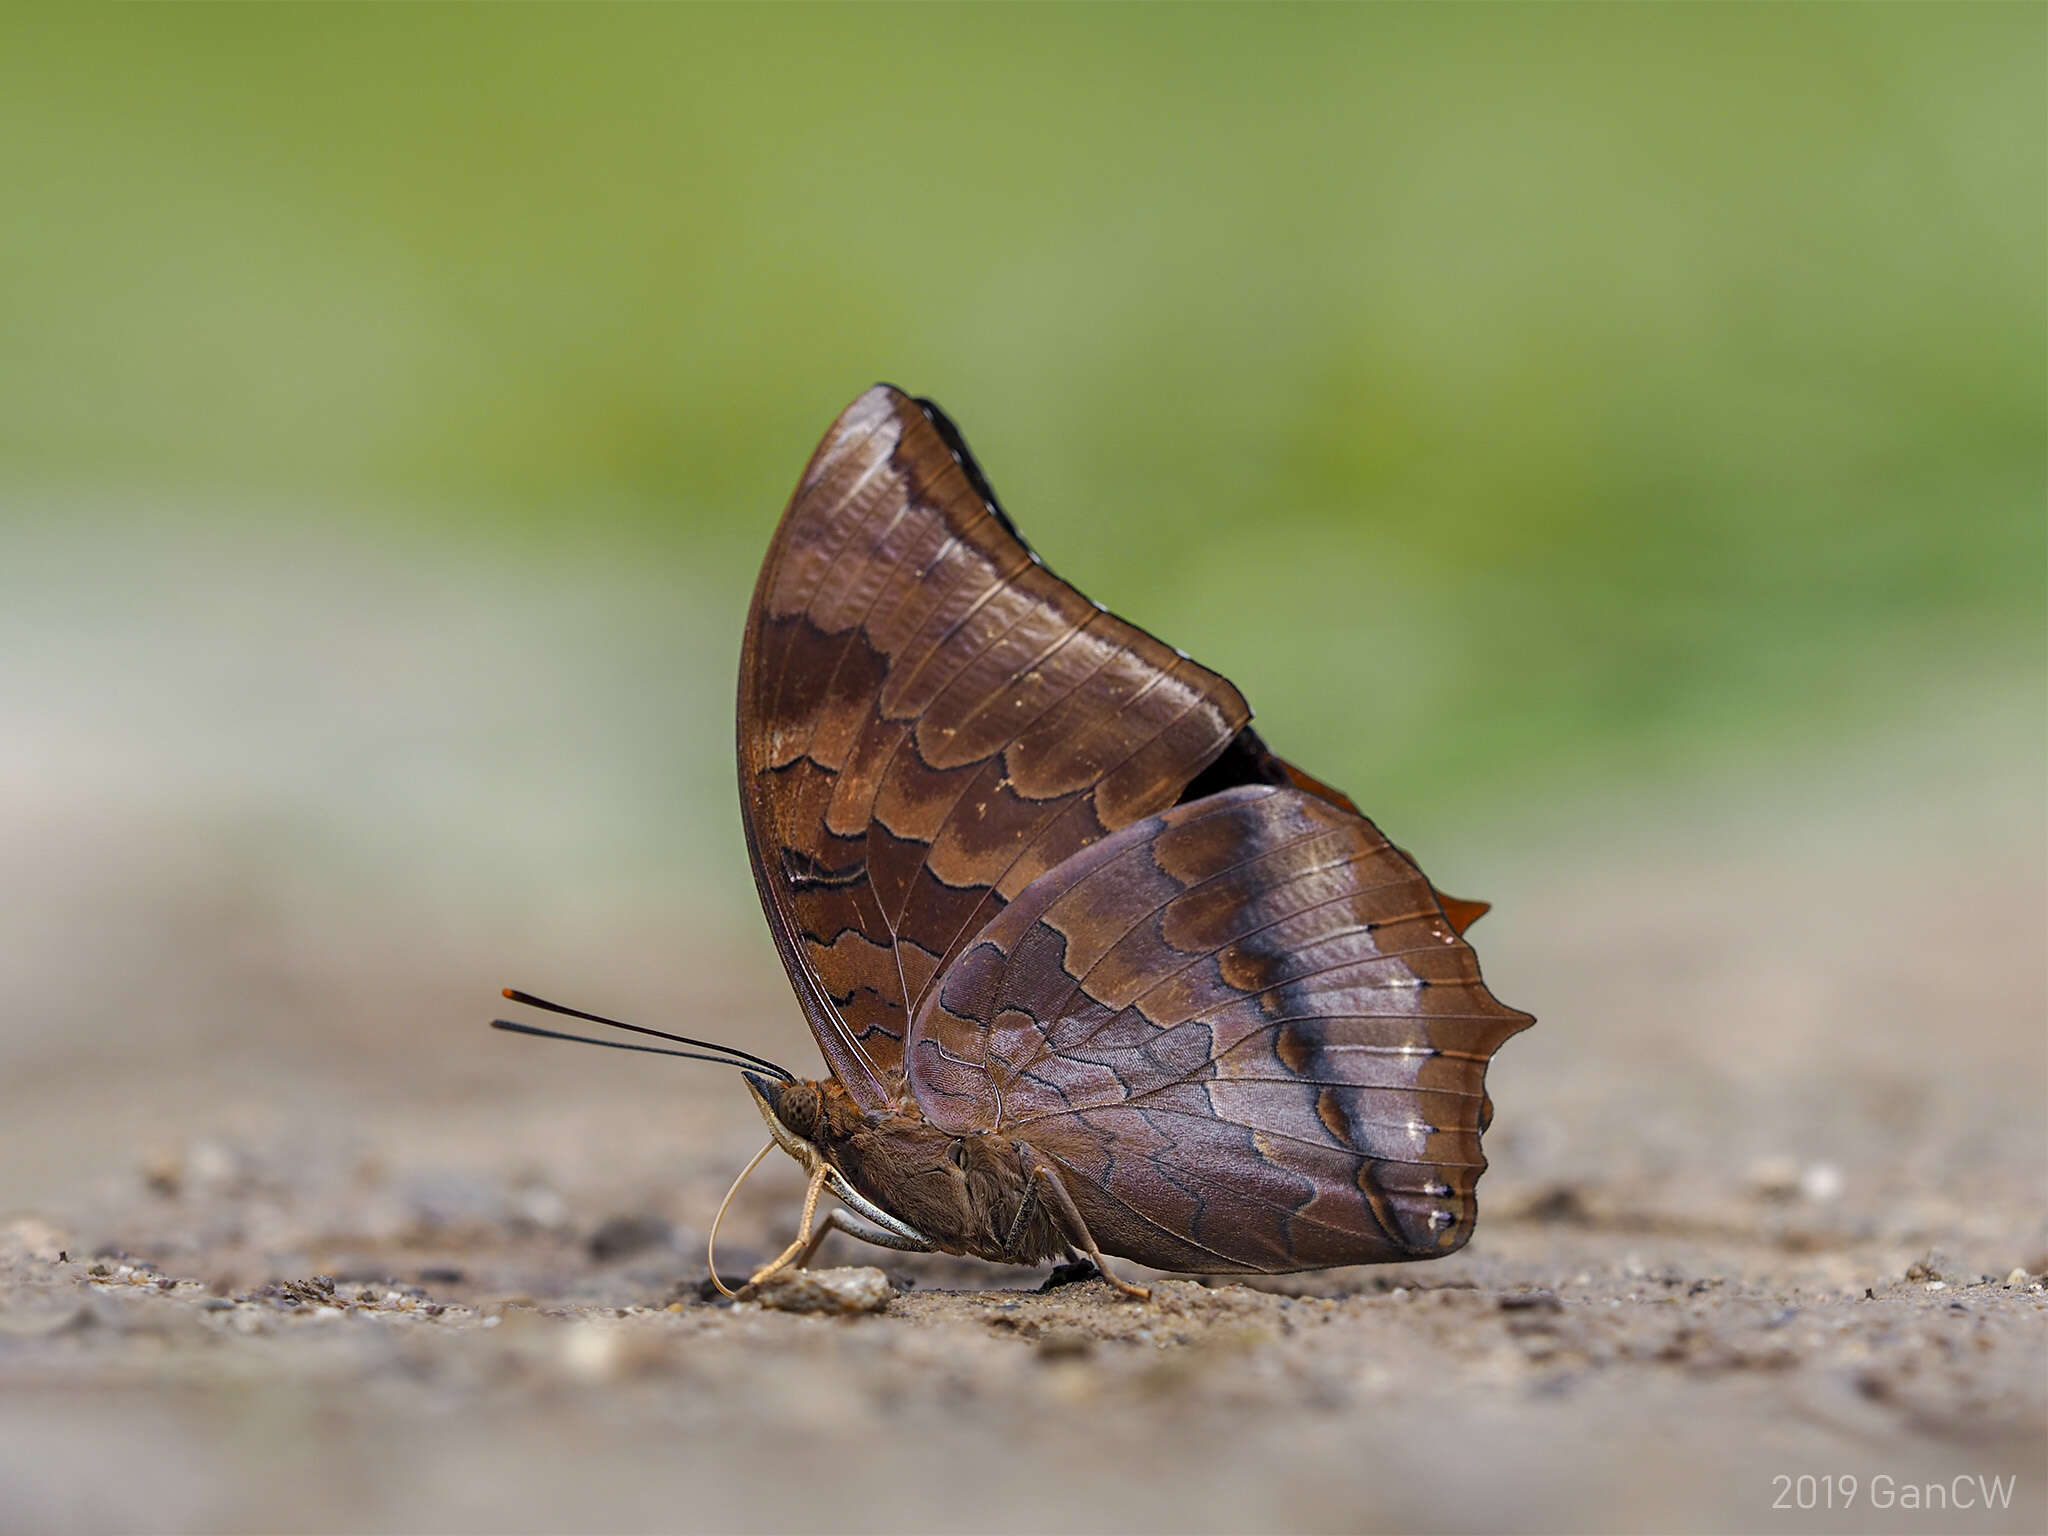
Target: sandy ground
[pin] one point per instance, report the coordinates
(288, 1243)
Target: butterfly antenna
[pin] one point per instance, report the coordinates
(726, 1053)
(619, 1045)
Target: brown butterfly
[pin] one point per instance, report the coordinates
(1094, 969)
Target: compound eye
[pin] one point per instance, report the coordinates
(959, 1155)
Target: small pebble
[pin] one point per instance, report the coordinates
(1820, 1182)
(592, 1352)
(842, 1291)
(1774, 1178)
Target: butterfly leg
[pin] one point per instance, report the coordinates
(1077, 1228)
(803, 1231)
(837, 1220)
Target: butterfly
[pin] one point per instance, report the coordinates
(1095, 971)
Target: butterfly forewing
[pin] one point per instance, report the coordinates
(929, 721)
(1244, 1028)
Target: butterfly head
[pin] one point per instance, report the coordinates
(794, 1112)
(813, 1122)
(818, 1124)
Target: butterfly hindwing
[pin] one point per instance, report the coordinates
(1245, 1031)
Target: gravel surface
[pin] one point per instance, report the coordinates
(289, 1242)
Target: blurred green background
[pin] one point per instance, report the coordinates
(1516, 402)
